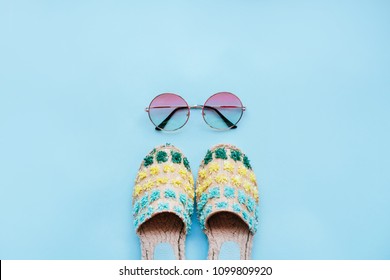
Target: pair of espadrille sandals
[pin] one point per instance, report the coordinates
(226, 198)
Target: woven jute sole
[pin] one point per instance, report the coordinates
(224, 227)
(162, 228)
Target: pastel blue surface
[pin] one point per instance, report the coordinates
(75, 77)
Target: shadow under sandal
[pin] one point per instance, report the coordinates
(227, 199)
(163, 203)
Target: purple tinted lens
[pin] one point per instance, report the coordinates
(168, 111)
(223, 110)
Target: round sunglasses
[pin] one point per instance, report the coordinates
(170, 112)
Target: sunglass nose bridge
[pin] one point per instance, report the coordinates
(196, 107)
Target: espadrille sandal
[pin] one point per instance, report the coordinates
(227, 199)
(163, 202)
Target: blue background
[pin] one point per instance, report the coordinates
(75, 77)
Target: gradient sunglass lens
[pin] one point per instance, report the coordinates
(168, 111)
(223, 111)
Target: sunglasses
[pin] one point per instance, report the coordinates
(170, 112)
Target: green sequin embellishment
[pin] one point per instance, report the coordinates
(176, 157)
(162, 156)
(208, 157)
(247, 163)
(220, 153)
(186, 164)
(235, 155)
(148, 160)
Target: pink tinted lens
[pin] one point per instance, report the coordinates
(168, 111)
(223, 110)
